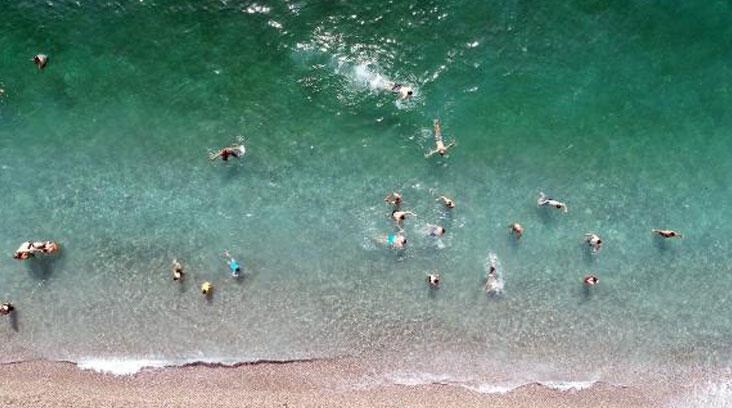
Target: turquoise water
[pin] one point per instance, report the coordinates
(621, 109)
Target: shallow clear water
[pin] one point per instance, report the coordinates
(619, 109)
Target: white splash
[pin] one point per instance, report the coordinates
(119, 367)
(493, 281)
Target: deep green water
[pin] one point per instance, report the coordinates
(621, 109)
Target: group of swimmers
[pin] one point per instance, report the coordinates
(398, 240)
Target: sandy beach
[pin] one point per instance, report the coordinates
(43, 384)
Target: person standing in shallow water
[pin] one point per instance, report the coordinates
(41, 60)
(517, 230)
(594, 241)
(394, 199)
(177, 271)
(235, 151)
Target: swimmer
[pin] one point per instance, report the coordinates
(594, 241)
(667, 233)
(177, 271)
(591, 280)
(436, 230)
(547, 201)
(397, 241)
(491, 279)
(207, 289)
(433, 279)
(25, 251)
(233, 264)
(446, 201)
(41, 60)
(404, 91)
(399, 216)
(393, 198)
(6, 309)
(517, 230)
(440, 146)
(231, 151)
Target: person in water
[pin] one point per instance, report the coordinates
(235, 151)
(28, 249)
(404, 91)
(399, 216)
(433, 279)
(233, 264)
(446, 201)
(440, 147)
(207, 289)
(41, 60)
(6, 309)
(177, 271)
(591, 280)
(667, 233)
(394, 199)
(594, 241)
(517, 230)
(436, 230)
(396, 241)
(545, 201)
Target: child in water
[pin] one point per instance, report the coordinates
(233, 264)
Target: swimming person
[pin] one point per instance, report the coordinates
(440, 147)
(207, 289)
(594, 241)
(233, 264)
(435, 230)
(544, 201)
(177, 271)
(667, 233)
(393, 198)
(517, 230)
(446, 201)
(41, 60)
(397, 241)
(591, 280)
(491, 279)
(231, 151)
(399, 216)
(6, 309)
(433, 279)
(404, 91)
(28, 249)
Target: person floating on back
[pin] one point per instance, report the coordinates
(545, 201)
(667, 233)
(433, 279)
(41, 60)
(594, 241)
(591, 280)
(440, 147)
(517, 230)
(394, 199)
(6, 309)
(233, 264)
(177, 271)
(446, 201)
(235, 151)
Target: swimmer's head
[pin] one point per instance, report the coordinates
(450, 204)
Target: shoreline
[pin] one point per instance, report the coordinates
(320, 383)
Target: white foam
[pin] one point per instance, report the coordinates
(119, 367)
(568, 385)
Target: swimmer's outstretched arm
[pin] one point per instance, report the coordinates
(428, 155)
(451, 144)
(214, 156)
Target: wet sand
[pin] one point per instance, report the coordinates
(43, 384)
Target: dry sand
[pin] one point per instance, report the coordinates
(42, 384)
